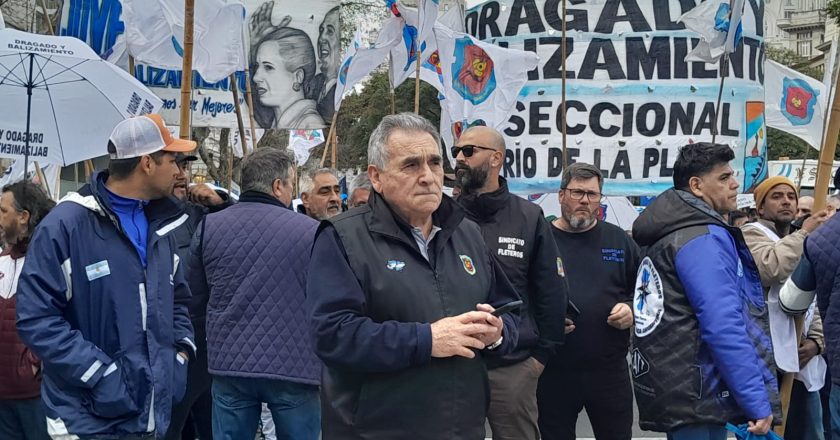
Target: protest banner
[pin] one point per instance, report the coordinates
(304, 100)
(632, 99)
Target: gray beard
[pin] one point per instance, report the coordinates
(578, 223)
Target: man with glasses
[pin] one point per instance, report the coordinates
(517, 233)
(590, 370)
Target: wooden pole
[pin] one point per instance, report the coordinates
(186, 78)
(724, 72)
(239, 121)
(329, 139)
(829, 147)
(334, 162)
(786, 386)
(802, 168)
(230, 162)
(131, 66)
(249, 98)
(563, 92)
(417, 79)
(48, 19)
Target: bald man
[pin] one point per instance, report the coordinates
(517, 233)
(806, 204)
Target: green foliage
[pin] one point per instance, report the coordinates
(361, 112)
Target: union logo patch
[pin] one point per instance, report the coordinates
(468, 264)
(473, 73)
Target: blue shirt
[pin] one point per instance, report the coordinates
(132, 219)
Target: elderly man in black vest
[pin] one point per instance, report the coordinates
(402, 292)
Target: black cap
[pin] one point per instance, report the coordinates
(182, 157)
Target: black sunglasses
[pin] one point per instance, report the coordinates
(468, 150)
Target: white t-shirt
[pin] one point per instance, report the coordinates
(9, 274)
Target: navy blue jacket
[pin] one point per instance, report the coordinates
(820, 270)
(374, 296)
(251, 259)
(106, 328)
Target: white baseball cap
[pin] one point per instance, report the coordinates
(143, 135)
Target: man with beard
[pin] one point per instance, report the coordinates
(320, 194)
(191, 416)
(590, 370)
(777, 250)
(22, 206)
(517, 233)
(322, 86)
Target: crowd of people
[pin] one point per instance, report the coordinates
(142, 307)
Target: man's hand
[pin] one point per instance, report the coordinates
(570, 326)
(621, 317)
(496, 322)
(807, 350)
(815, 220)
(457, 335)
(760, 427)
(204, 195)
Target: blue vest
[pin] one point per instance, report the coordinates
(255, 257)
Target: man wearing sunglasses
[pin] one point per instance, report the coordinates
(517, 233)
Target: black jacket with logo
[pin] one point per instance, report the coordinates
(373, 296)
(520, 238)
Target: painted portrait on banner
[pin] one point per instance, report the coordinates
(293, 59)
(293, 76)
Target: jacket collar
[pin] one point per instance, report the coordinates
(260, 197)
(385, 221)
(485, 206)
(94, 197)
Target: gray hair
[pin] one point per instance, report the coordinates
(263, 167)
(377, 146)
(307, 181)
(362, 181)
(581, 171)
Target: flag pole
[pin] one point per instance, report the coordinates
(329, 138)
(239, 121)
(391, 84)
(563, 86)
(131, 66)
(724, 72)
(249, 99)
(47, 17)
(334, 162)
(186, 78)
(419, 53)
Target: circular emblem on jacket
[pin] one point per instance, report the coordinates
(648, 300)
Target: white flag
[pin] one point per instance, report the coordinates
(713, 20)
(154, 32)
(302, 141)
(481, 80)
(360, 61)
(794, 103)
(418, 38)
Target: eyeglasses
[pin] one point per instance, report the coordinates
(468, 150)
(577, 194)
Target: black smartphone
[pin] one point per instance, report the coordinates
(507, 308)
(572, 312)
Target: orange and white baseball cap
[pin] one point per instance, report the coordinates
(143, 135)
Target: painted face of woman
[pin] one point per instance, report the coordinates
(274, 83)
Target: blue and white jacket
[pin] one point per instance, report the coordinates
(106, 328)
(701, 347)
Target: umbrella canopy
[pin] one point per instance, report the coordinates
(60, 100)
